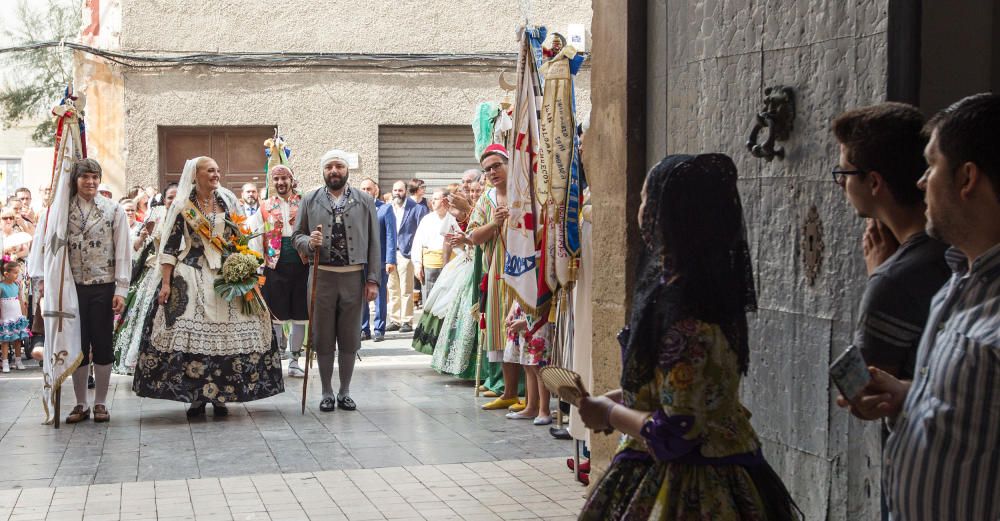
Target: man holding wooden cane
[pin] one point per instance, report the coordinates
(346, 243)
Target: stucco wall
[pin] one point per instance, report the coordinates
(314, 110)
(721, 55)
(338, 25)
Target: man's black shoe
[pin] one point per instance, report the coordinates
(346, 403)
(560, 434)
(366, 335)
(406, 328)
(379, 337)
(327, 405)
(393, 327)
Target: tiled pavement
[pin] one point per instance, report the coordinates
(502, 490)
(409, 419)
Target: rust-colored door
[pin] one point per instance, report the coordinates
(239, 151)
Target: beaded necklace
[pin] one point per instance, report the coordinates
(210, 213)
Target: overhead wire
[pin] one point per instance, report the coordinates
(396, 61)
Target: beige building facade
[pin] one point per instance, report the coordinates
(325, 74)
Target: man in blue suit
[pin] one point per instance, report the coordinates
(387, 238)
(408, 214)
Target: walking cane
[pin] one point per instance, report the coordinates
(312, 313)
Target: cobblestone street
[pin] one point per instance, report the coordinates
(418, 446)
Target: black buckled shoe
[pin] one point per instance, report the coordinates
(327, 405)
(194, 412)
(346, 403)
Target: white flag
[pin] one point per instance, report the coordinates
(50, 260)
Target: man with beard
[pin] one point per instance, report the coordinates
(941, 459)
(407, 214)
(249, 199)
(347, 245)
(286, 271)
(387, 244)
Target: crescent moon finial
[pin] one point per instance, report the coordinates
(505, 85)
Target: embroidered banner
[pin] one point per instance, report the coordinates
(520, 261)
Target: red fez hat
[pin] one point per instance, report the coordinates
(495, 148)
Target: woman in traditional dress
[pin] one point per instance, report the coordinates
(199, 347)
(445, 289)
(455, 346)
(144, 289)
(689, 450)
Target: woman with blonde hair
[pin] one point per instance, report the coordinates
(201, 348)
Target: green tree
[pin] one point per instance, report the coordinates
(37, 78)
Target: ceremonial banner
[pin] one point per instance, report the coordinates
(520, 264)
(557, 156)
(49, 259)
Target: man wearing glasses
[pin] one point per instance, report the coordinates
(881, 160)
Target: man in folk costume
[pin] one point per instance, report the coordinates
(285, 270)
(97, 236)
(347, 243)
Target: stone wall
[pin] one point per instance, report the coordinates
(314, 110)
(721, 56)
(377, 26)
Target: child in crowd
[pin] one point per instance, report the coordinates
(527, 342)
(13, 322)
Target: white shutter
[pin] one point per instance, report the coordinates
(438, 154)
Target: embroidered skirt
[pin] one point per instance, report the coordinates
(198, 347)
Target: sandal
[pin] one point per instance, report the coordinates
(101, 414)
(78, 414)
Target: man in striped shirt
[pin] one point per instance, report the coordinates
(942, 460)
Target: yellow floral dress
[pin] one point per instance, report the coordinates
(698, 457)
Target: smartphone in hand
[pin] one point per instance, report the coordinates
(850, 373)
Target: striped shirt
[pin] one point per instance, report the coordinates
(942, 461)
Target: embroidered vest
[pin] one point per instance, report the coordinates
(90, 237)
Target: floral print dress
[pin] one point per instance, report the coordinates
(198, 347)
(698, 456)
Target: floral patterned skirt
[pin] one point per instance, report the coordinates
(647, 490)
(198, 347)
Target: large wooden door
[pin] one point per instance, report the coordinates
(239, 151)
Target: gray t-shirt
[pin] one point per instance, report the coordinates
(897, 301)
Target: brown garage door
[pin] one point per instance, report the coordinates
(238, 150)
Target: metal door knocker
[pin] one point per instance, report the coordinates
(777, 117)
(812, 245)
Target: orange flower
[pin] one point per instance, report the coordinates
(244, 229)
(681, 376)
(237, 218)
(260, 280)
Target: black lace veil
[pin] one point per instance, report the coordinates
(696, 262)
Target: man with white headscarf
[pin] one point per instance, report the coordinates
(347, 243)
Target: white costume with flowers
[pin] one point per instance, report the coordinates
(198, 346)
